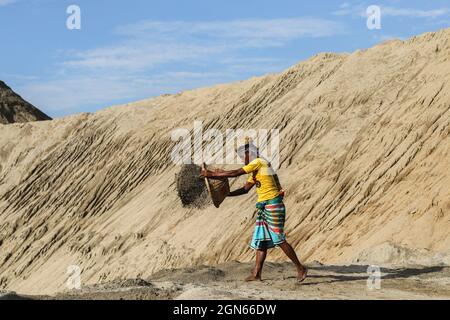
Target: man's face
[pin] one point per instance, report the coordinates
(245, 157)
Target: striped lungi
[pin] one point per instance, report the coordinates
(269, 228)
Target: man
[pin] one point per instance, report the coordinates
(269, 228)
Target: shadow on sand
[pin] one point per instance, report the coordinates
(342, 273)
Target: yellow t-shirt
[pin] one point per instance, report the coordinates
(260, 173)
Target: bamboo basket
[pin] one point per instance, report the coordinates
(218, 189)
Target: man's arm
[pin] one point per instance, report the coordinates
(223, 173)
(244, 190)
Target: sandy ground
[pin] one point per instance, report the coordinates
(225, 282)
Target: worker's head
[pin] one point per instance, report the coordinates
(248, 152)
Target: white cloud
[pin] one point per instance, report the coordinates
(138, 55)
(389, 11)
(249, 29)
(150, 43)
(346, 9)
(154, 57)
(6, 2)
(81, 92)
(68, 93)
(414, 13)
(15, 76)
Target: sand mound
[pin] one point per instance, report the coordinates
(364, 156)
(387, 254)
(4, 295)
(14, 109)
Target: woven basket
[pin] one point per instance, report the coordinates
(218, 189)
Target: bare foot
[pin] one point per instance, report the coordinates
(253, 278)
(302, 275)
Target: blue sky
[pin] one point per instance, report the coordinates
(136, 49)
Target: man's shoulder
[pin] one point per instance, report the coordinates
(254, 165)
(262, 161)
(256, 161)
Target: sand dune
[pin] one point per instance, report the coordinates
(365, 161)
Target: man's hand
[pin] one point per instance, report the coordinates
(204, 173)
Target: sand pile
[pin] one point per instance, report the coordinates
(14, 109)
(191, 187)
(364, 160)
(388, 254)
(4, 295)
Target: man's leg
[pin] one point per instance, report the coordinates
(289, 251)
(260, 257)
